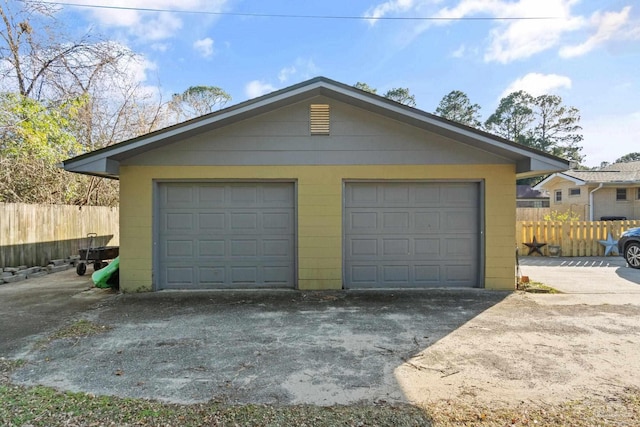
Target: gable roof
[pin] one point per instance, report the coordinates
(524, 191)
(105, 162)
(616, 174)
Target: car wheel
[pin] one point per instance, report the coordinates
(632, 255)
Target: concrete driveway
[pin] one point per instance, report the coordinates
(607, 276)
(287, 347)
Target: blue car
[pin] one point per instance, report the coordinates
(629, 247)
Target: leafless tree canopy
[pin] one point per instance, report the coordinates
(44, 68)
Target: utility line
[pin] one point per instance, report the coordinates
(294, 16)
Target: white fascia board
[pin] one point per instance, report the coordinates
(560, 175)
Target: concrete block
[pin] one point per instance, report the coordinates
(5, 274)
(21, 267)
(29, 271)
(57, 268)
(10, 269)
(15, 278)
(56, 262)
(37, 274)
(74, 257)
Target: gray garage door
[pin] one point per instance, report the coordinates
(226, 235)
(412, 235)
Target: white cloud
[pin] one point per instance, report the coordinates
(302, 68)
(256, 88)
(515, 39)
(459, 52)
(609, 25)
(147, 25)
(537, 84)
(608, 138)
(204, 47)
(391, 6)
(286, 73)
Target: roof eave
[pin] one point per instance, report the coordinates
(529, 162)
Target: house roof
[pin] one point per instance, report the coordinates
(527, 192)
(105, 162)
(616, 174)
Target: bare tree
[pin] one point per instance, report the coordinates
(45, 69)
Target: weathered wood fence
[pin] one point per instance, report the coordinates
(532, 214)
(578, 238)
(35, 234)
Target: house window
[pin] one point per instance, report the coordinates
(574, 192)
(621, 194)
(319, 122)
(558, 195)
(638, 194)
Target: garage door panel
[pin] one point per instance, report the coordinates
(180, 275)
(412, 235)
(244, 248)
(427, 220)
(211, 221)
(460, 221)
(177, 197)
(243, 195)
(395, 274)
(397, 193)
(276, 275)
(427, 196)
(179, 221)
(395, 247)
(276, 221)
(211, 196)
(243, 221)
(244, 275)
(458, 247)
(427, 274)
(275, 248)
(428, 247)
(179, 248)
(226, 235)
(211, 248)
(212, 275)
(363, 248)
(395, 220)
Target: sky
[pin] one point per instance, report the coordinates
(587, 52)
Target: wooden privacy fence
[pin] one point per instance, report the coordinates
(531, 214)
(577, 238)
(33, 235)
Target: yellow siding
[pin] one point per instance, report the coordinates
(319, 196)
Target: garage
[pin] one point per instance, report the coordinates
(318, 186)
(214, 235)
(412, 234)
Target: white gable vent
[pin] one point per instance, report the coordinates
(319, 119)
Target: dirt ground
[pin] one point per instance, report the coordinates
(527, 348)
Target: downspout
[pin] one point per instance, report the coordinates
(591, 200)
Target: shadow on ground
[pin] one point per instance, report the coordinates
(254, 347)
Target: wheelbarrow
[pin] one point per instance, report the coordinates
(96, 255)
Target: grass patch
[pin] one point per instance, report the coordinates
(44, 406)
(537, 288)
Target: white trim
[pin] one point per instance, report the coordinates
(560, 175)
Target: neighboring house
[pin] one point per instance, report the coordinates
(527, 197)
(316, 186)
(609, 192)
